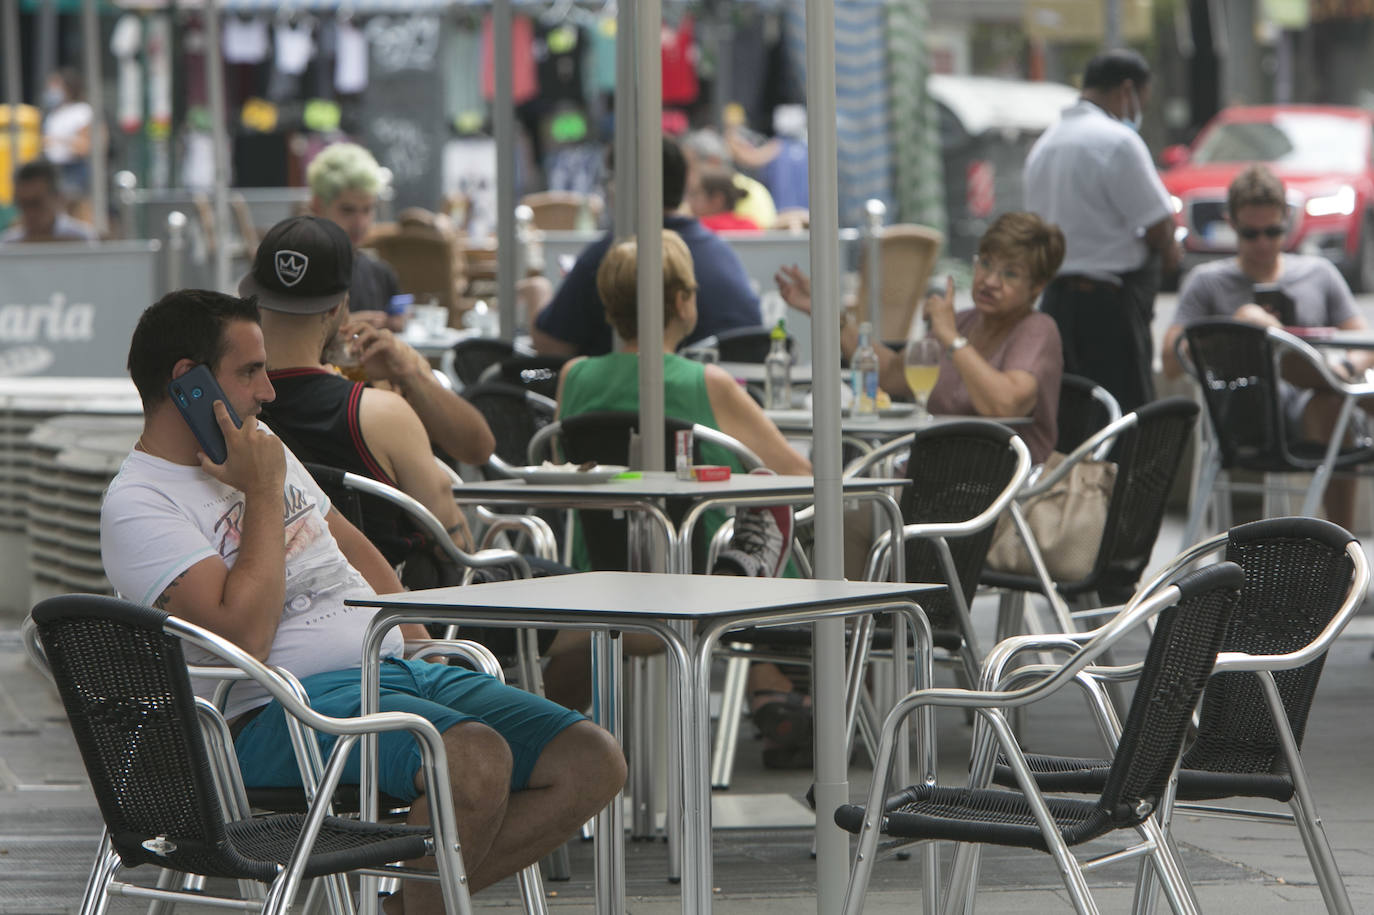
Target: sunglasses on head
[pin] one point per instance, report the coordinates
(1250, 234)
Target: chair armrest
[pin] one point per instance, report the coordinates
(541, 443)
(1309, 354)
(862, 464)
(476, 653)
(542, 541)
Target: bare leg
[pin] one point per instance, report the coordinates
(479, 767)
(578, 773)
(568, 673)
(1318, 422)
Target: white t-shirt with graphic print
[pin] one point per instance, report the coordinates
(158, 519)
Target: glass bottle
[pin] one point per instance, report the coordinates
(777, 371)
(863, 366)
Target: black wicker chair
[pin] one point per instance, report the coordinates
(534, 373)
(739, 344)
(963, 475)
(514, 414)
(473, 356)
(1304, 580)
(1085, 407)
(1181, 655)
(1237, 368)
(123, 680)
(1148, 448)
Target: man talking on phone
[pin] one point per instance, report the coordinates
(1266, 286)
(252, 550)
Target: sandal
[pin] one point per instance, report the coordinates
(785, 720)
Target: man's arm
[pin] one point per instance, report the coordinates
(1160, 237)
(370, 563)
(549, 345)
(449, 421)
(244, 603)
(393, 432)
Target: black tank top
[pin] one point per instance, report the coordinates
(315, 414)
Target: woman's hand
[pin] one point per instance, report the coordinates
(940, 312)
(795, 287)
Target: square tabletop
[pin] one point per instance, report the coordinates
(655, 484)
(664, 596)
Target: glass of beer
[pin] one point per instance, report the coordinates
(342, 353)
(921, 362)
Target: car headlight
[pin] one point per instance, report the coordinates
(1176, 203)
(1341, 203)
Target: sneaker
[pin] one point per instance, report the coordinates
(762, 540)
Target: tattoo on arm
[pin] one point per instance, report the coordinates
(165, 597)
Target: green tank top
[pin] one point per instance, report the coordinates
(611, 382)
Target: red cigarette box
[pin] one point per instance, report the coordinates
(710, 473)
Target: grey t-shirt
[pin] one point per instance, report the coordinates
(1319, 293)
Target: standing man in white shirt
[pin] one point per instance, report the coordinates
(1091, 174)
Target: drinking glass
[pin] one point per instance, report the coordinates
(921, 362)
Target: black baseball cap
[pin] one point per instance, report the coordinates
(304, 266)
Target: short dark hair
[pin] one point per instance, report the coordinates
(38, 170)
(674, 174)
(1256, 186)
(186, 324)
(1112, 68)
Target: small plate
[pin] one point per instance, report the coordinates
(598, 474)
(897, 409)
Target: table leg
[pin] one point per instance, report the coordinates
(610, 822)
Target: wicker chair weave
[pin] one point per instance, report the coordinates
(1080, 413)
(125, 687)
(1148, 457)
(1235, 365)
(475, 355)
(1182, 652)
(512, 416)
(1296, 576)
(956, 470)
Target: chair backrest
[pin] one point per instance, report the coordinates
(473, 356)
(562, 210)
(514, 414)
(907, 258)
(1148, 456)
(741, 344)
(535, 373)
(425, 259)
(125, 687)
(1297, 577)
(957, 470)
(1181, 655)
(604, 436)
(1084, 408)
(1234, 366)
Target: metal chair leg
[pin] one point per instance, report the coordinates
(727, 730)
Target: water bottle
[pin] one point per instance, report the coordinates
(777, 371)
(863, 366)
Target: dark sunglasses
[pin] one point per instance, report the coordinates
(1250, 234)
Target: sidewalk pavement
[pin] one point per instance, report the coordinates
(49, 823)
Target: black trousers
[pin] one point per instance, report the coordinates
(1105, 330)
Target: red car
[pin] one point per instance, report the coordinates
(1322, 153)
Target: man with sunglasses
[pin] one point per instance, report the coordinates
(1267, 286)
(1091, 174)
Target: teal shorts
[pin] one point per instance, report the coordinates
(444, 695)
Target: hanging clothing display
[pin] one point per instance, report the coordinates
(679, 52)
(350, 59)
(524, 81)
(245, 41)
(919, 181)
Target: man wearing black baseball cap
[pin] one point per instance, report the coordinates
(383, 428)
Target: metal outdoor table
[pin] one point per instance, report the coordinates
(647, 493)
(688, 613)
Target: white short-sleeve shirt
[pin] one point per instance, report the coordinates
(1092, 176)
(158, 519)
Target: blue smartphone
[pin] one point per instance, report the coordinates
(195, 394)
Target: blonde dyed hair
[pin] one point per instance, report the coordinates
(343, 167)
(617, 279)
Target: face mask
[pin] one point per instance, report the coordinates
(1138, 114)
(53, 96)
